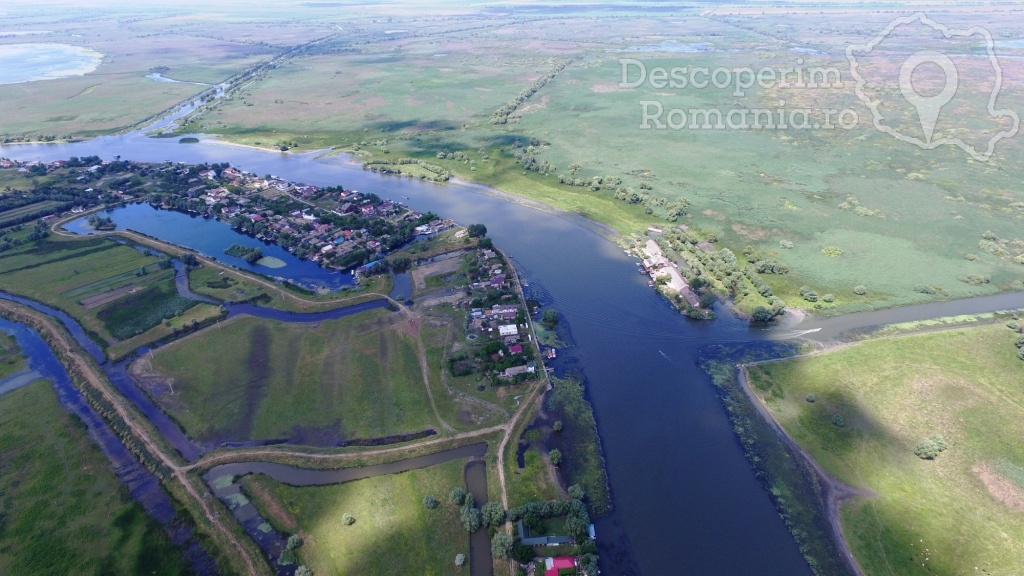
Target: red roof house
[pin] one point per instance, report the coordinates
(553, 566)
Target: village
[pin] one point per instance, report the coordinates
(334, 227)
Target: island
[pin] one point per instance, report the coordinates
(250, 254)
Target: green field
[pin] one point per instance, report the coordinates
(873, 403)
(66, 273)
(394, 533)
(357, 377)
(62, 510)
(909, 223)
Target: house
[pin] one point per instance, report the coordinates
(513, 371)
(554, 566)
(541, 540)
(508, 330)
(515, 349)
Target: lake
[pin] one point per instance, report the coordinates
(45, 61)
(211, 237)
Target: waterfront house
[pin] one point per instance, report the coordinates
(555, 566)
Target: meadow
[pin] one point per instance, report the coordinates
(250, 378)
(71, 274)
(393, 533)
(840, 209)
(62, 510)
(865, 411)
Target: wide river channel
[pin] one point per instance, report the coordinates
(686, 500)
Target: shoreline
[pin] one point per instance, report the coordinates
(835, 491)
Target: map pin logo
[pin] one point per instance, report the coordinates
(928, 107)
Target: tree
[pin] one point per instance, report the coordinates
(550, 318)
(555, 456)
(303, 571)
(502, 544)
(294, 541)
(588, 564)
(430, 501)
(471, 517)
(557, 426)
(347, 519)
(860, 290)
(761, 314)
(522, 553)
(576, 492)
(493, 514)
(476, 230)
(460, 559)
(457, 496)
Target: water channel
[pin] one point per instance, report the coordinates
(686, 500)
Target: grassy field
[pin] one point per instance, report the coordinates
(118, 93)
(66, 273)
(873, 403)
(357, 377)
(908, 224)
(394, 533)
(62, 510)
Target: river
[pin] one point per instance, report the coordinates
(686, 500)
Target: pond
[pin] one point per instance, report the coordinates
(211, 237)
(45, 61)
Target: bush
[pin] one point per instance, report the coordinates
(502, 545)
(785, 244)
(555, 456)
(832, 251)
(460, 559)
(930, 448)
(294, 541)
(557, 426)
(430, 501)
(303, 571)
(828, 298)
(838, 421)
(761, 314)
(812, 398)
(860, 290)
(576, 492)
(457, 496)
(347, 519)
(493, 515)
(811, 296)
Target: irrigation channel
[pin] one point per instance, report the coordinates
(686, 500)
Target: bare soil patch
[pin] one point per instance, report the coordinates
(1001, 488)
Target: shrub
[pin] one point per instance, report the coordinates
(347, 519)
(786, 244)
(1020, 342)
(812, 398)
(303, 571)
(294, 541)
(923, 289)
(457, 496)
(1020, 353)
(832, 251)
(828, 298)
(838, 421)
(493, 515)
(557, 426)
(930, 448)
(811, 296)
(761, 314)
(860, 290)
(460, 559)
(576, 492)
(430, 501)
(502, 544)
(555, 456)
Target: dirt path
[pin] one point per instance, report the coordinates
(836, 491)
